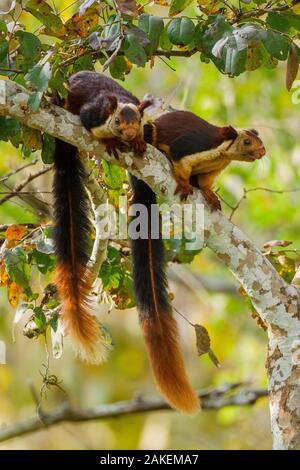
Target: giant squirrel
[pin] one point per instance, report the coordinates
(199, 151)
(113, 115)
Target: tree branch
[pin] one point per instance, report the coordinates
(212, 399)
(276, 302)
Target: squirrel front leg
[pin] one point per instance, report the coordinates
(205, 182)
(182, 173)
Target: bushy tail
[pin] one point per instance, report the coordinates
(158, 325)
(71, 236)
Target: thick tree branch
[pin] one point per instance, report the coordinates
(211, 400)
(276, 302)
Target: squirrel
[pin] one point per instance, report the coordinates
(199, 151)
(113, 115)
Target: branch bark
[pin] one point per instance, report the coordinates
(276, 301)
(214, 399)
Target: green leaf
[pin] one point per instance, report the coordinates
(3, 49)
(134, 51)
(48, 149)
(153, 26)
(276, 44)
(198, 36)
(114, 176)
(218, 29)
(39, 77)
(176, 251)
(17, 266)
(118, 68)
(45, 14)
(39, 318)
(57, 81)
(30, 45)
(278, 21)
(3, 27)
(34, 104)
(181, 31)
(235, 62)
(164, 41)
(83, 63)
(177, 6)
(9, 128)
(45, 263)
(112, 27)
(294, 20)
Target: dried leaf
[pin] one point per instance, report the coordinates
(32, 138)
(272, 243)
(203, 344)
(292, 66)
(128, 7)
(202, 339)
(82, 24)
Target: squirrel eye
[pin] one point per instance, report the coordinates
(117, 120)
(247, 142)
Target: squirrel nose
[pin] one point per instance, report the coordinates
(129, 133)
(262, 151)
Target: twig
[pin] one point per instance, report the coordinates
(114, 54)
(212, 399)
(17, 189)
(7, 69)
(246, 191)
(17, 170)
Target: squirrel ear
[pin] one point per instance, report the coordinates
(143, 105)
(229, 133)
(113, 102)
(254, 131)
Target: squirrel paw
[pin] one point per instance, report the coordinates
(111, 146)
(138, 146)
(183, 190)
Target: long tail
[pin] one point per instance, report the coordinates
(71, 236)
(155, 312)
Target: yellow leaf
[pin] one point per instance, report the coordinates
(3, 275)
(13, 293)
(15, 233)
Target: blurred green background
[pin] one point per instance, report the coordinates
(254, 100)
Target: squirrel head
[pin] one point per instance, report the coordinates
(105, 116)
(245, 145)
(126, 120)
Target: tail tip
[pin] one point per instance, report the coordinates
(188, 403)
